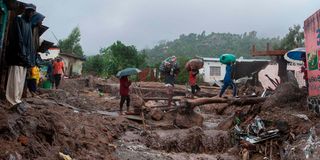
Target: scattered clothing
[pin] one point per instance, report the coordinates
(15, 85)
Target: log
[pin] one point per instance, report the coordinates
(234, 101)
(202, 101)
(247, 101)
(159, 98)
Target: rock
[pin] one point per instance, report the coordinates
(136, 101)
(188, 119)
(23, 140)
(156, 114)
(226, 124)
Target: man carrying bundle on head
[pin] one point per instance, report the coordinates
(193, 67)
(170, 69)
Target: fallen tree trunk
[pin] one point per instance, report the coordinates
(202, 101)
(191, 103)
(247, 101)
(159, 98)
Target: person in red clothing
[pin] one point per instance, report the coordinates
(58, 71)
(124, 92)
(193, 81)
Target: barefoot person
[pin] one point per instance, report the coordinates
(124, 92)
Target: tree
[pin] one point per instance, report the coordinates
(72, 43)
(209, 45)
(126, 56)
(111, 59)
(294, 39)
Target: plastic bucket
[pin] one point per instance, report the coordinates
(47, 85)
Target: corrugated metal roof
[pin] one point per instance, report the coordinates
(241, 59)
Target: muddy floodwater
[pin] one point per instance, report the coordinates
(172, 143)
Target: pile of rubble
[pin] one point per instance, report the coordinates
(81, 121)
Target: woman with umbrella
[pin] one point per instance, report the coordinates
(125, 83)
(124, 92)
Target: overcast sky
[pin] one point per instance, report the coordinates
(144, 23)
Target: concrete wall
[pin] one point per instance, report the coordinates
(73, 66)
(206, 71)
(272, 71)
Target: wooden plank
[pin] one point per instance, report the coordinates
(269, 53)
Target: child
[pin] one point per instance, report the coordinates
(193, 81)
(33, 79)
(124, 92)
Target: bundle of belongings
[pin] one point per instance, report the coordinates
(194, 64)
(169, 65)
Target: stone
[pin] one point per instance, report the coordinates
(156, 114)
(188, 119)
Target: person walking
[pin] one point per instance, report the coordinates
(124, 92)
(58, 71)
(50, 72)
(227, 81)
(193, 81)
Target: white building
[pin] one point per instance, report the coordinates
(213, 70)
(52, 53)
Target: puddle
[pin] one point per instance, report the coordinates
(112, 114)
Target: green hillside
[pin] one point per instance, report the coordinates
(211, 45)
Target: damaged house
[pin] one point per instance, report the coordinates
(213, 70)
(248, 69)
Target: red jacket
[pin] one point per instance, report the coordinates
(192, 78)
(124, 86)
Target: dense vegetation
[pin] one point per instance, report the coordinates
(119, 56)
(211, 45)
(114, 58)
